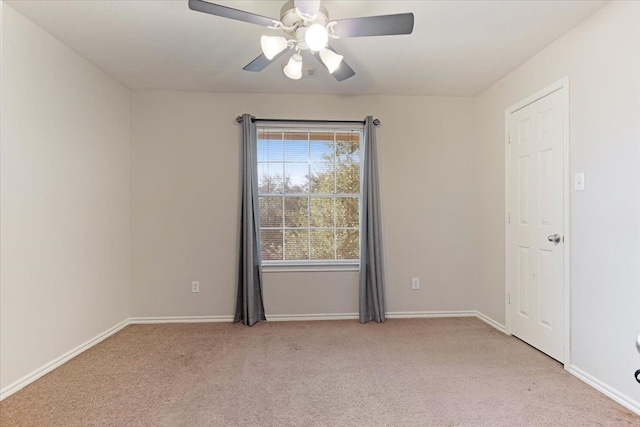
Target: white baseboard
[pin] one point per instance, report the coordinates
(321, 316)
(179, 319)
(29, 378)
(491, 322)
(355, 316)
(296, 317)
(428, 314)
(605, 389)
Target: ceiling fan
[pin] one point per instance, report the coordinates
(307, 26)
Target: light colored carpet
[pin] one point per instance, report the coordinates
(431, 372)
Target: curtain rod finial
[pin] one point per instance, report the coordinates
(239, 119)
(376, 122)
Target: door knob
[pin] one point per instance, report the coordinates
(555, 238)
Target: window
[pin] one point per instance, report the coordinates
(309, 192)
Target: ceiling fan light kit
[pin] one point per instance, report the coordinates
(271, 46)
(331, 59)
(293, 70)
(307, 25)
(316, 37)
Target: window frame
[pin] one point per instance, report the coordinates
(310, 264)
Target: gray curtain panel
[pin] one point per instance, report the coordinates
(249, 306)
(372, 301)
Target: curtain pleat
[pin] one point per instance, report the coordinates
(249, 305)
(372, 292)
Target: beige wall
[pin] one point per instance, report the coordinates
(185, 158)
(65, 199)
(602, 59)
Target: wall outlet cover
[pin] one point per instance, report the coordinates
(579, 182)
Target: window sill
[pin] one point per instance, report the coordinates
(289, 268)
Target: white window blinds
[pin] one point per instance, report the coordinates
(309, 192)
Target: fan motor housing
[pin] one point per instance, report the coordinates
(289, 17)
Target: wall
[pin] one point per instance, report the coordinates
(602, 59)
(185, 160)
(65, 200)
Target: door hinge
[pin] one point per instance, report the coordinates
(509, 138)
(509, 218)
(509, 297)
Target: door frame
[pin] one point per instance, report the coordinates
(561, 85)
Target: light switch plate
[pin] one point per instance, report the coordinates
(578, 182)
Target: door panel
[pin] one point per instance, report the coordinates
(546, 288)
(524, 175)
(523, 281)
(535, 200)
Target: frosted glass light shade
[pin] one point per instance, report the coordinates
(316, 37)
(293, 70)
(271, 46)
(331, 59)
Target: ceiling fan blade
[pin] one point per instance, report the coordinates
(228, 12)
(261, 62)
(384, 25)
(307, 7)
(343, 72)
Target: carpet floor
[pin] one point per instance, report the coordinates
(418, 372)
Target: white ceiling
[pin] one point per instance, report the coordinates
(458, 48)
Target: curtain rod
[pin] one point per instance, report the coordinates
(376, 122)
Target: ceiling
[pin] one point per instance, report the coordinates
(458, 48)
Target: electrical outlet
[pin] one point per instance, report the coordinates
(415, 283)
(195, 286)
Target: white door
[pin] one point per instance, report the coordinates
(535, 232)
